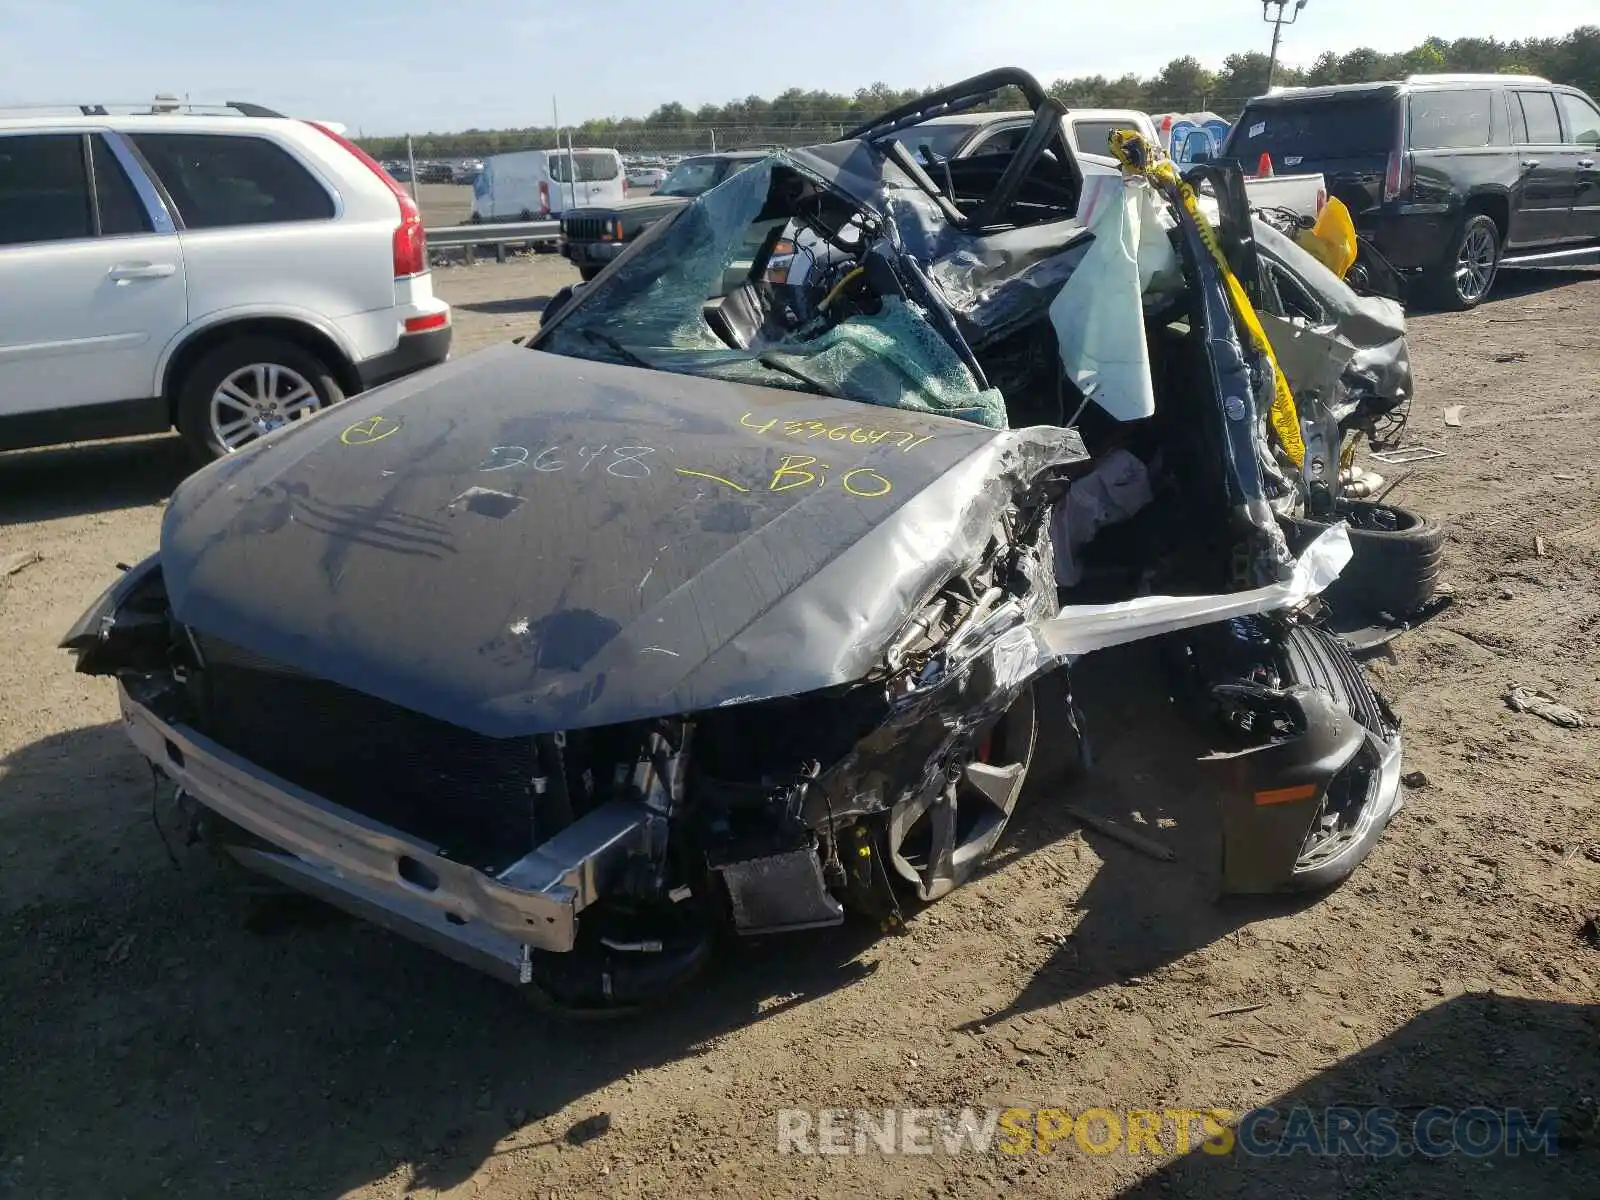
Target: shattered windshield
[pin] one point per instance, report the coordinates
(694, 300)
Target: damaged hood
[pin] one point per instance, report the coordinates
(521, 542)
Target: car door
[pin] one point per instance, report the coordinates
(1580, 123)
(1548, 167)
(91, 273)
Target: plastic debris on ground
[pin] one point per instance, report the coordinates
(1541, 704)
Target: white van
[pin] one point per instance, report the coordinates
(530, 184)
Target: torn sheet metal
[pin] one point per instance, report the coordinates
(1083, 628)
(997, 284)
(1379, 364)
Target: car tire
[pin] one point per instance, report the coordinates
(291, 371)
(587, 274)
(1465, 276)
(1394, 565)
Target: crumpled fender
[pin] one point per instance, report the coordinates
(1270, 793)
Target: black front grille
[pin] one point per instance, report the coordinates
(469, 794)
(583, 229)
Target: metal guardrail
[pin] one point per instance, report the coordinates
(502, 236)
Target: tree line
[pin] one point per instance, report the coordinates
(799, 117)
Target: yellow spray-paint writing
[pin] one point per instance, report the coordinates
(866, 483)
(846, 431)
(795, 465)
(805, 470)
(368, 430)
(738, 487)
(794, 471)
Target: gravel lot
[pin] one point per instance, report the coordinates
(166, 1033)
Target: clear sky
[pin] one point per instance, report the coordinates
(396, 66)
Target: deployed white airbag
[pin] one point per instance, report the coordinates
(1098, 315)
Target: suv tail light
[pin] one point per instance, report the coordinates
(544, 199)
(410, 239)
(1397, 176)
(1397, 179)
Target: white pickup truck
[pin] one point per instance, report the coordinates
(1303, 194)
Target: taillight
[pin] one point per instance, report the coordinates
(410, 239)
(544, 199)
(1397, 179)
(431, 321)
(1397, 176)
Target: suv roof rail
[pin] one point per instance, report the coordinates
(161, 105)
(1468, 77)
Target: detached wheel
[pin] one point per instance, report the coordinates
(1394, 565)
(246, 388)
(938, 840)
(1464, 278)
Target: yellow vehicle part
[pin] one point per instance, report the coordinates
(1332, 240)
(1138, 157)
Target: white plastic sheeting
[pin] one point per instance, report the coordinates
(1098, 315)
(1082, 628)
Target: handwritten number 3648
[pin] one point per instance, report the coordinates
(626, 462)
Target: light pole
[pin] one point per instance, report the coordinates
(1277, 23)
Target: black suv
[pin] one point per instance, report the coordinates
(1450, 176)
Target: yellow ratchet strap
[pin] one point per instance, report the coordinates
(1138, 157)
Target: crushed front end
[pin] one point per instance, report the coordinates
(600, 862)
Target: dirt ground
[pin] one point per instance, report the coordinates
(163, 1032)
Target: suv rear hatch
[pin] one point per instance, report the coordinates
(1352, 137)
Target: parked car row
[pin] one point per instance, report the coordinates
(433, 171)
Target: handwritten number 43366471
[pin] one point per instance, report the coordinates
(623, 462)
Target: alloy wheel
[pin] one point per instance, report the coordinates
(1475, 265)
(939, 838)
(258, 398)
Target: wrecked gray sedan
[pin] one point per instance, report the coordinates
(721, 602)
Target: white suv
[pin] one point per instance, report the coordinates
(222, 273)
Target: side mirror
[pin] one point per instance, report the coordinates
(1200, 156)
